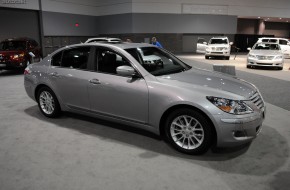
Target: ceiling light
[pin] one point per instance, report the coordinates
(268, 18)
(280, 18)
(259, 17)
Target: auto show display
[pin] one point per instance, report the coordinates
(266, 55)
(218, 47)
(147, 87)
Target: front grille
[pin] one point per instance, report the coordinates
(264, 63)
(217, 52)
(257, 100)
(261, 57)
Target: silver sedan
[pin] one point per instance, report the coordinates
(266, 55)
(192, 109)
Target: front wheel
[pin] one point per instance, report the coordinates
(189, 131)
(48, 103)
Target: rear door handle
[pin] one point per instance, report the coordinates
(54, 74)
(95, 81)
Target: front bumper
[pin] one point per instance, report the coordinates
(265, 63)
(217, 53)
(12, 65)
(238, 130)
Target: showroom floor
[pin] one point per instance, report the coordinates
(77, 152)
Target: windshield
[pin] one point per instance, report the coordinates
(13, 45)
(218, 41)
(157, 62)
(264, 46)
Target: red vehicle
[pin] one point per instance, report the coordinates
(17, 53)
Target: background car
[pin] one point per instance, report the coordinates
(104, 39)
(283, 42)
(218, 47)
(266, 55)
(193, 109)
(17, 53)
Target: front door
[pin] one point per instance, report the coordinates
(117, 96)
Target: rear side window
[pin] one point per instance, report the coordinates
(76, 58)
(283, 42)
(56, 59)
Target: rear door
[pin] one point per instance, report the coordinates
(114, 95)
(69, 76)
(201, 45)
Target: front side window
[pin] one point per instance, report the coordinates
(107, 61)
(200, 41)
(156, 61)
(76, 58)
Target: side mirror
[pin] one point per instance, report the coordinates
(231, 43)
(204, 43)
(249, 49)
(125, 70)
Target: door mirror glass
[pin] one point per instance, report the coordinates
(125, 70)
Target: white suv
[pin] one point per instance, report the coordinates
(218, 47)
(283, 42)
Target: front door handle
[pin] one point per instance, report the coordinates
(95, 81)
(54, 74)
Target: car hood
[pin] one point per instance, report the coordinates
(266, 52)
(214, 80)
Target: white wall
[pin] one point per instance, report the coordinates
(88, 7)
(22, 4)
(270, 8)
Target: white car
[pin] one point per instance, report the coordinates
(104, 39)
(266, 55)
(218, 47)
(283, 42)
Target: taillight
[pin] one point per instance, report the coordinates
(27, 71)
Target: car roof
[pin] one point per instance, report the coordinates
(273, 38)
(106, 39)
(121, 45)
(18, 39)
(218, 37)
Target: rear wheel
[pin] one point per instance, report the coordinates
(48, 103)
(188, 131)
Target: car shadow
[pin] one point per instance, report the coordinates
(247, 159)
(10, 72)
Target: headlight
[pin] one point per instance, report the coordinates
(230, 106)
(208, 49)
(16, 56)
(252, 56)
(279, 57)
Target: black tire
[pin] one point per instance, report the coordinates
(56, 111)
(206, 57)
(190, 137)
